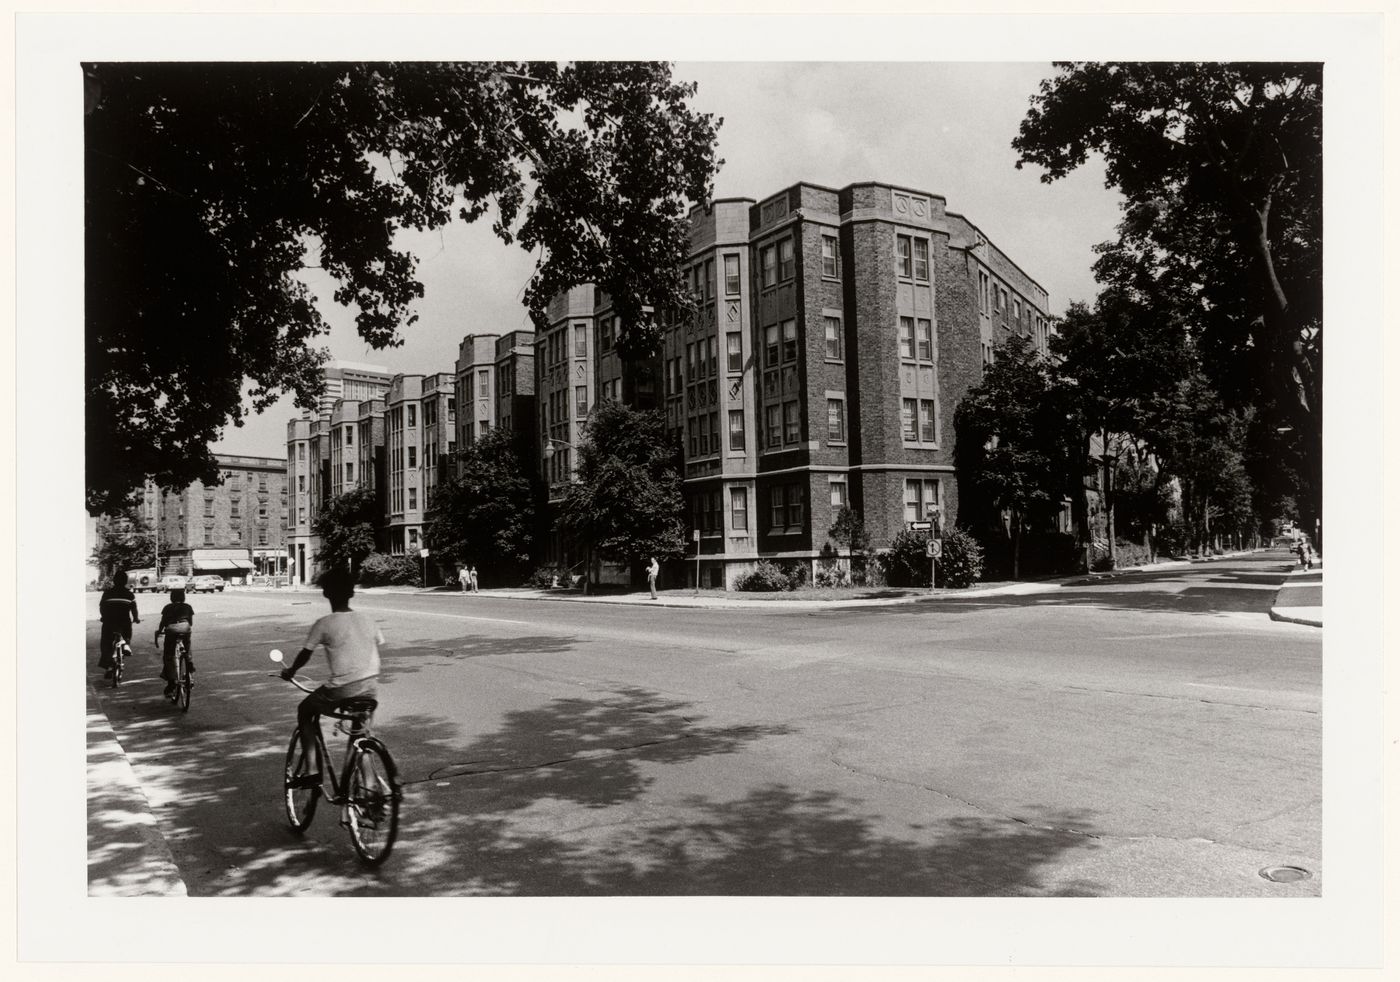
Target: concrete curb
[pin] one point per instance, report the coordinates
(127, 854)
(1311, 616)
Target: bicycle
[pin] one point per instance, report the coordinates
(184, 678)
(367, 787)
(121, 651)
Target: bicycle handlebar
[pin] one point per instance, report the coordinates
(293, 680)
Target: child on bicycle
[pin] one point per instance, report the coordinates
(117, 608)
(352, 645)
(177, 623)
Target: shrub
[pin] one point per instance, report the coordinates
(766, 577)
(797, 573)
(906, 563)
(961, 562)
(1132, 554)
(380, 569)
(831, 576)
(545, 577)
(1172, 540)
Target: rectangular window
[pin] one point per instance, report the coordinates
(911, 501)
(770, 345)
(690, 362)
(794, 506)
(452, 409)
(349, 436)
(786, 266)
(483, 427)
(790, 340)
(412, 497)
(412, 456)
(413, 538)
(921, 260)
(926, 429)
(904, 263)
(711, 345)
(925, 337)
(736, 429)
(775, 426)
(709, 279)
(694, 437)
(777, 516)
(301, 482)
(835, 421)
(301, 514)
(702, 427)
(792, 427)
(739, 509)
(906, 420)
(580, 341)
(839, 497)
(833, 337)
(731, 276)
(580, 401)
(412, 415)
(734, 351)
(1016, 314)
(714, 437)
(349, 473)
(831, 256)
(768, 259)
(906, 337)
(301, 451)
(483, 388)
(982, 286)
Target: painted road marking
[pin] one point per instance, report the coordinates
(1162, 637)
(434, 613)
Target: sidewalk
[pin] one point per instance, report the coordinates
(1299, 600)
(127, 855)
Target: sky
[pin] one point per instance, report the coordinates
(939, 127)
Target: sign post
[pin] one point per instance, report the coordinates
(424, 554)
(695, 537)
(933, 548)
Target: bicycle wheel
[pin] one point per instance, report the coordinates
(117, 664)
(372, 802)
(300, 802)
(183, 682)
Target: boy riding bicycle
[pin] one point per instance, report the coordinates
(117, 608)
(352, 645)
(177, 623)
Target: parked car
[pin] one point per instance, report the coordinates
(206, 584)
(168, 583)
(141, 580)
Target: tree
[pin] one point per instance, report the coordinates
(125, 541)
(1010, 445)
(487, 516)
(346, 528)
(849, 532)
(209, 188)
(1221, 166)
(626, 505)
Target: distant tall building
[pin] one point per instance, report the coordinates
(233, 529)
(352, 380)
(476, 386)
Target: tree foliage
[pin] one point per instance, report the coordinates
(209, 188)
(487, 516)
(626, 504)
(345, 528)
(125, 541)
(1221, 166)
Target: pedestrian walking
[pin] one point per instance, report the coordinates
(1302, 554)
(463, 577)
(1308, 545)
(476, 584)
(652, 571)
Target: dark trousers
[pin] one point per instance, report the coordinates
(309, 710)
(110, 633)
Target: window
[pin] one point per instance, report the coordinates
(483, 389)
(839, 498)
(739, 509)
(690, 428)
(777, 511)
(906, 337)
(794, 506)
(833, 337)
(412, 415)
(412, 497)
(301, 482)
(301, 514)
(785, 261)
(580, 401)
(926, 428)
(920, 499)
(925, 337)
(209, 507)
(711, 345)
(792, 427)
(483, 427)
(1002, 304)
(731, 276)
(983, 285)
(452, 409)
(262, 537)
(768, 257)
(906, 419)
(702, 429)
(790, 340)
(734, 351)
(775, 426)
(831, 256)
(736, 429)
(770, 344)
(349, 440)
(349, 473)
(208, 536)
(413, 538)
(262, 511)
(412, 456)
(714, 437)
(580, 341)
(690, 362)
(709, 279)
(835, 421)
(903, 262)
(921, 260)
(1016, 314)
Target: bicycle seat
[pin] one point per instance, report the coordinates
(356, 708)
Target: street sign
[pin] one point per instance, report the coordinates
(920, 526)
(423, 553)
(694, 535)
(933, 549)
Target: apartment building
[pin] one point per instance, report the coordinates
(234, 529)
(564, 384)
(475, 387)
(515, 382)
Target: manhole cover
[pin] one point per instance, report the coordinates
(1284, 874)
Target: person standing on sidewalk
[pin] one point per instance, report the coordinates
(652, 572)
(463, 577)
(476, 585)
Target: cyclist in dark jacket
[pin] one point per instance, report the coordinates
(117, 608)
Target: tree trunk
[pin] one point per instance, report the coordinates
(1015, 544)
(1108, 503)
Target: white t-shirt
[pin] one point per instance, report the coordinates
(352, 646)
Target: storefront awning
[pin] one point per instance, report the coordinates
(235, 566)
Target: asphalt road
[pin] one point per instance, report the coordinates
(1155, 735)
